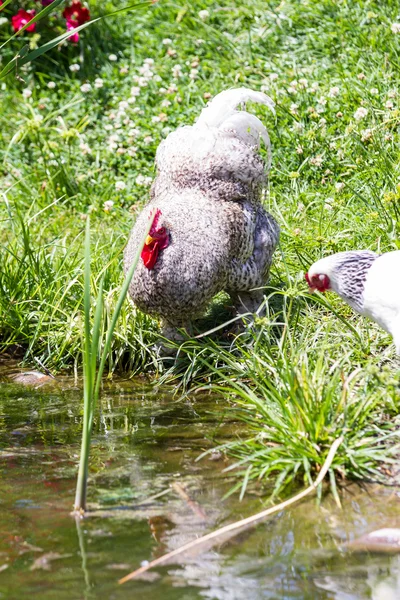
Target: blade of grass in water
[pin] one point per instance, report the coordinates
(92, 381)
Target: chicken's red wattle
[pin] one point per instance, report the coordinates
(157, 240)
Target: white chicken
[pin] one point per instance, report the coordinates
(368, 282)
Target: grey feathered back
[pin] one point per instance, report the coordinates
(352, 269)
(208, 187)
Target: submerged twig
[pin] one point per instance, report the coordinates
(209, 540)
(194, 506)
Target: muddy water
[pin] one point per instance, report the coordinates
(144, 442)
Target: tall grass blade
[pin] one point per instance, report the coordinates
(92, 382)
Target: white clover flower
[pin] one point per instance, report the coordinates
(148, 140)
(85, 148)
(121, 150)
(389, 104)
(328, 203)
(146, 71)
(322, 101)
(133, 132)
(292, 90)
(360, 113)
(167, 41)
(108, 127)
(322, 122)
(165, 103)
(132, 151)
(273, 76)
(85, 88)
(124, 70)
(3, 21)
(374, 91)
(316, 160)
(142, 180)
(361, 76)
(172, 89)
(27, 93)
(392, 94)
(123, 105)
(142, 81)
(303, 83)
(120, 185)
(177, 71)
(194, 73)
(294, 108)
(135, 91)
(155, 119)
(74, 67)
(366, 135)
(334, 91)
(314, 87)
(204, 14)
(98, 83)
(51, 85)
(149, 61)
(339, 186)
(108, 205)
(299, 150)
(395, 27)
(113, 57)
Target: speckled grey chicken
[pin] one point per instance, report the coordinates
(210, 232)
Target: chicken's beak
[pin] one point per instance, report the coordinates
(149, 240)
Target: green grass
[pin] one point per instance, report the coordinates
(334, 185)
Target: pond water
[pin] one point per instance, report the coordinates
(146, 440)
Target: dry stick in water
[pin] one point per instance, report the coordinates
(209, 540)
(194, 506)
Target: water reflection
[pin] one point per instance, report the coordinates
(143, 442)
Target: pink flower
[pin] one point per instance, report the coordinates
(23, 17)
(74, 38)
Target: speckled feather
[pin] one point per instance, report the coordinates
(208, 187)
(352, 273)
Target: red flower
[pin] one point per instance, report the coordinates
(22, 18)
(71, 24)
(76, 13)
(157, 240)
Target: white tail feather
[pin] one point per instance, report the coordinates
(249, 129)
(224, 105)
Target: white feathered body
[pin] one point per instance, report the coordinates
(382, 294)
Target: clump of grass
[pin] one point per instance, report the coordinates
(96, 349)
(298, 389)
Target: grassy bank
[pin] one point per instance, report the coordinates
(78, 134)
